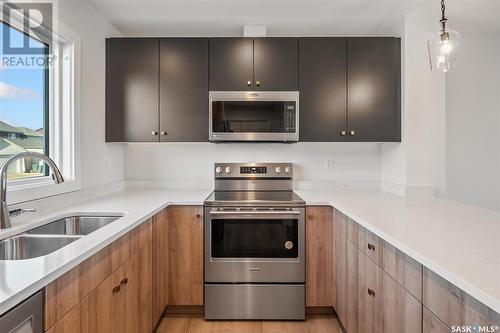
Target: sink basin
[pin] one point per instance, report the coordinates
(74, 225)
(31, 246)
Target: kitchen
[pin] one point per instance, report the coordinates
(281, 166)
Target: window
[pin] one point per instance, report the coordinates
(24, 116)
(39, 108)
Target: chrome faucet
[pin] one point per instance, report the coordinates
(4, 209)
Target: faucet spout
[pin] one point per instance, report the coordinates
(4, 209)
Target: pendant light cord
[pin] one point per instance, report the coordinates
(443, 17)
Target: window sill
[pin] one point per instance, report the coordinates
(24, 193)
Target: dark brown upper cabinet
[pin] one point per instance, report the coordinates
(184, 89)
(350, 89)
(276, 64)
(131, 89)
(239, 64)
(323, 89)
(156, 89)
(374, 89)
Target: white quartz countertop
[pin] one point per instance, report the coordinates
(20, 279)
(458, 242)
(461, 243)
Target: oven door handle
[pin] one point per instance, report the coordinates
(253, 212)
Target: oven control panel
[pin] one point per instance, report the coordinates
(253, 170)
(244, 170)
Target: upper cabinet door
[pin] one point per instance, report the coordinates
(323, 89)
(231, 64)
(374, 89)
(184, 89)
(276, 64)
(131, 89)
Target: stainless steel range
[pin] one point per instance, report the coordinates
(254, 244)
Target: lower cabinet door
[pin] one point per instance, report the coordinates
(185, 244)
(398, 310)
(75, 321)
(368, 281)
(353, 286)
(106, 313)
(340, 265)
(319, 256)
(136, 286)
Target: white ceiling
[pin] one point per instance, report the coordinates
(283, 17)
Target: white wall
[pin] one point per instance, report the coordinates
(358, 162)
(473, 123)
(101, 163)
(418, 162)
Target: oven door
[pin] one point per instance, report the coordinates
(251, 245)
(253, 116)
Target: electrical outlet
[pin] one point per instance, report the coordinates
(328, 163)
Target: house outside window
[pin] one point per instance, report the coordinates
(24, 101)
(39, 100)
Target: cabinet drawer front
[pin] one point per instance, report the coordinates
(353, 230)
(452, 305)
(370, 244)
(406, 271)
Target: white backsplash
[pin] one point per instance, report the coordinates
(191, 164)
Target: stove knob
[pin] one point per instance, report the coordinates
(228, 170)
(287, 170)
(278, 170)
(218, 170)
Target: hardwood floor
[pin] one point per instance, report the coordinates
(188, 323)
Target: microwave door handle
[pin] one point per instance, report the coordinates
(270, 212)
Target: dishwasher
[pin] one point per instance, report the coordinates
(26, 317)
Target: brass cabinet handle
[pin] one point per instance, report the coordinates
(124, 281)
(198, 215)
(343, 133)
(352, 132)
(154, 133)
(371, 247)
(249, 83)
(116, 289)
(257, 83)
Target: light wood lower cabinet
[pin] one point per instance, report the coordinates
(319, 256)
(160, 264)
(185, 251)
(120, 304)
(376, 302)
(340, 264)
(452, 305)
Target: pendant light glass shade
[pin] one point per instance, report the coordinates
(444, 46)
(443, 50)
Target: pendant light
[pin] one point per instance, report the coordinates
(444, 46)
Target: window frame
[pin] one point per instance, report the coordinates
(63, 142)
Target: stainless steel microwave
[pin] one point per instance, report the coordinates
(254, 116)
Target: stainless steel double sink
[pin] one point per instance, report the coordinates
(51, 236)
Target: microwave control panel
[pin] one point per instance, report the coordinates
(290, 117)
